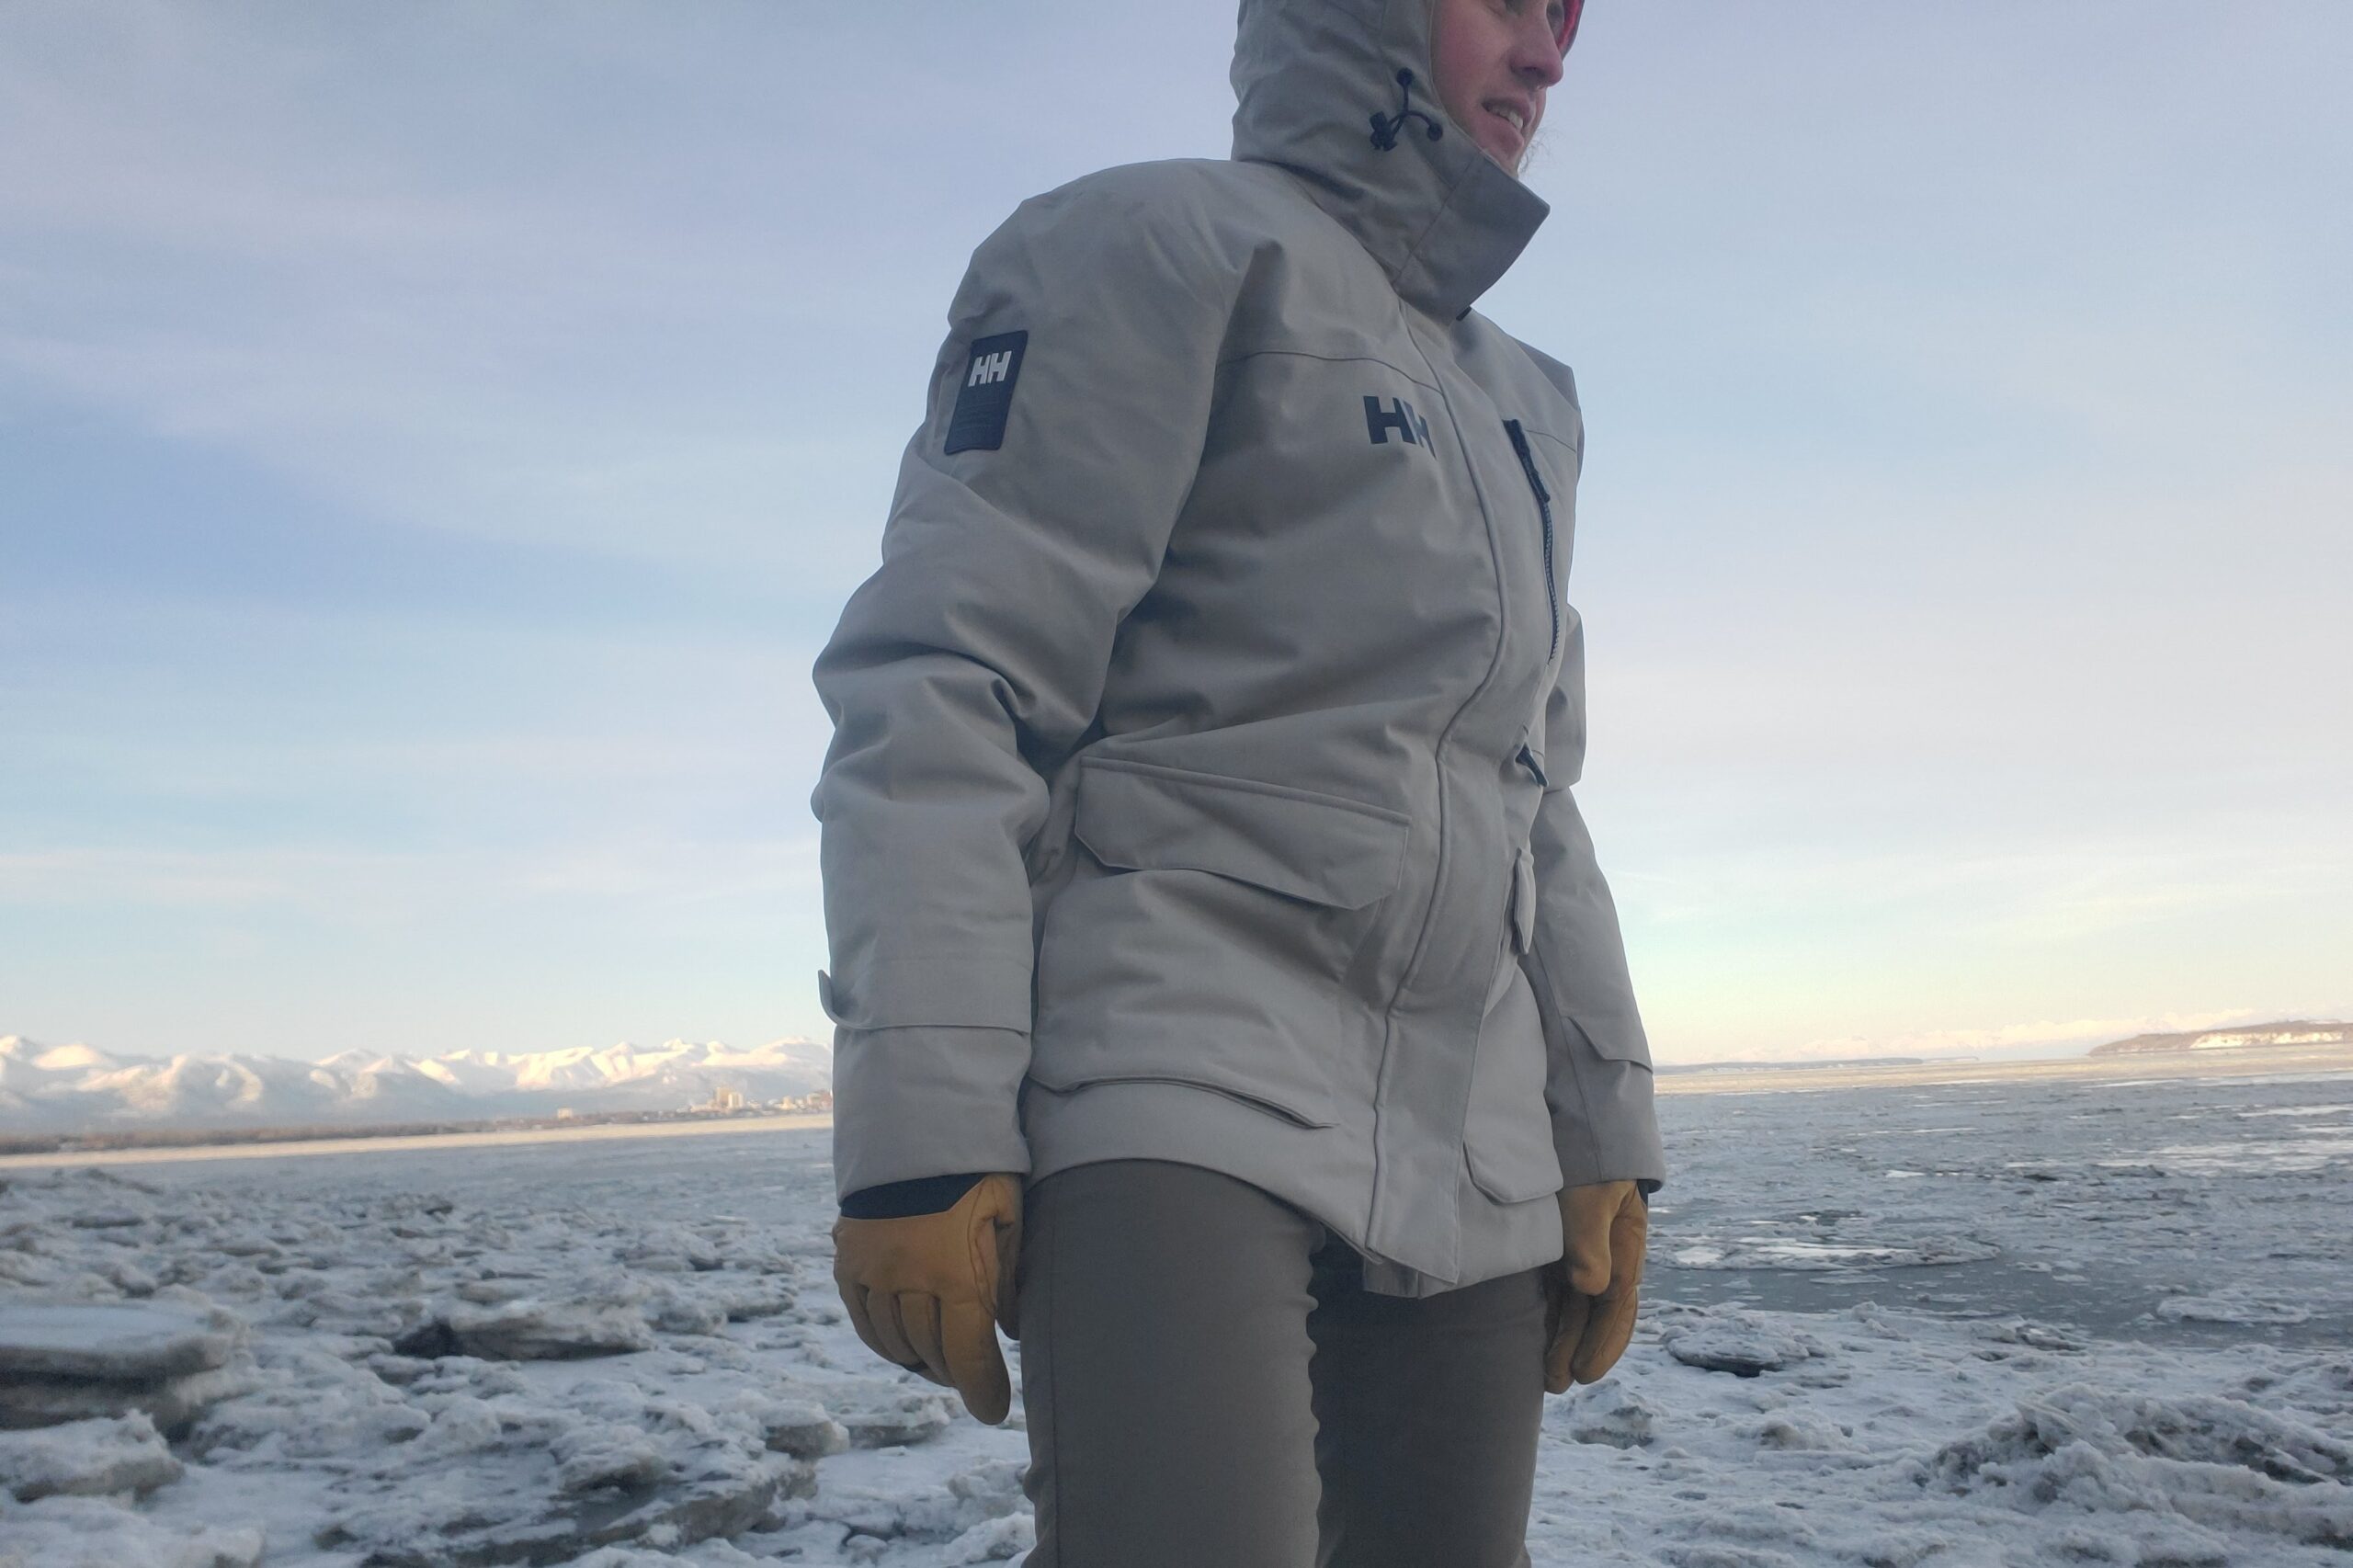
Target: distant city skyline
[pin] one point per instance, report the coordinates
(434, 445)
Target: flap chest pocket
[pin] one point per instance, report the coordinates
(1305, 845)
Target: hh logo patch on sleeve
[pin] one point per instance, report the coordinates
(987, 396)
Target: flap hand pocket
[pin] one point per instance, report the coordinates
(1305, 845)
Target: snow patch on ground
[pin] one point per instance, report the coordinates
(2198, 1469)
(83, 1532)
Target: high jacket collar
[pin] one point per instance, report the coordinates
(1443, 219)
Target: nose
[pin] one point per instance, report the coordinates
(1536, 50)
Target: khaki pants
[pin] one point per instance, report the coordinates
(1208, 1385)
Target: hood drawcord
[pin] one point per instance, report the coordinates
(1386, 125)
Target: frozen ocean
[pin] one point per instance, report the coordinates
(2019, 1322)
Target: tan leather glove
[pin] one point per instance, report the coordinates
(1591, 1291)
(928, 1291)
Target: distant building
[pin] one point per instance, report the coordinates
(564, 1113)
(725, 1099)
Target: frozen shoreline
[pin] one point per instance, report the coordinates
(2018, 1323)
(2291, 1061)
(365, 1145)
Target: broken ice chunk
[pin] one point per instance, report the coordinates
(87, 1459)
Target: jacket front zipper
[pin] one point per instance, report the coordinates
(1545, 509)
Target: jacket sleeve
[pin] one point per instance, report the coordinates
(1598, 1083)
(974, 659)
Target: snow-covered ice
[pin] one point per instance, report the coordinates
(109, 1342)
(100, 1457)
(1987, 1326)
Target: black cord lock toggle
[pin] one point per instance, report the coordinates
(1386, 125)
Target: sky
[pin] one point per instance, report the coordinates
(435, 441)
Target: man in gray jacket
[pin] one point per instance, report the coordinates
(1228, 1001)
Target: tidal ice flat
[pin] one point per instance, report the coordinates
(2018, 1322)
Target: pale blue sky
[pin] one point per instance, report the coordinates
(435, 440)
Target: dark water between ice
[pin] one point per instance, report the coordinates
(2195, 1209)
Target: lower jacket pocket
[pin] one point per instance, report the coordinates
(1202, 938)
(1508, 1127)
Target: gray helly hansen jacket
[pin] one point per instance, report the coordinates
(1201, 782)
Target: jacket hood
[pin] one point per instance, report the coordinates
(1443, 219)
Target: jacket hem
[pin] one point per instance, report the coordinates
(1307, 1167)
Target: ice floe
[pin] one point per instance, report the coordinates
(2244, 1307)
(1727, 1340)
(99, 1458)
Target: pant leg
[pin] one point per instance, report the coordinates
(1428, 1413)
(1165, 1369)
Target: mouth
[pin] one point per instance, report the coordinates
(1512, 114)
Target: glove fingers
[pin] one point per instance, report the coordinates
(995, 1241)
(1604, 1229)
(919, 1320)
(1588, 1218)
(1586, 1253)
(925, 1292)
(1568, 1333)
(975, 1365)
(1630, 1236)
(890, 1340)
(1606, 1334)
(1007, 1302)
(854, 1297)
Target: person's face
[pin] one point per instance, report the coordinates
(1494, 59)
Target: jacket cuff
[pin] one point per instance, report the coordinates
(1604, 1127)
(924, 1101)
(907, 1200)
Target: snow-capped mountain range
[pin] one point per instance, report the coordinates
(77, 1087)
(2240, 1037)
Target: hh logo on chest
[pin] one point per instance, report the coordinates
(1396, 414)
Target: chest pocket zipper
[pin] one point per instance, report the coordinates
(1544, 510)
